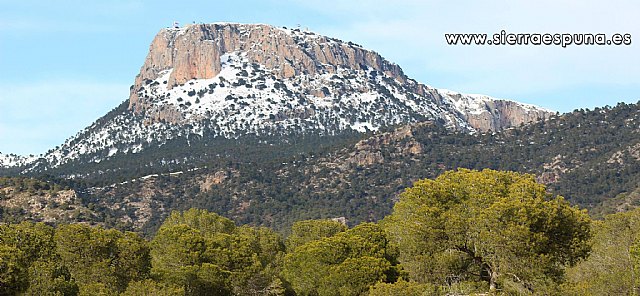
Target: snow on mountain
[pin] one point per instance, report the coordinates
(12, 160)
(477, 103)
(228, 80)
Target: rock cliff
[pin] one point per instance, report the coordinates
(199, 52)
(489, 114)
(194, 51)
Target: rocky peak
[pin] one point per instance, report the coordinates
(195, 51)
(199, 52)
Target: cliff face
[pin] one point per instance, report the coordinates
(509, 113)
(194, 52)
(489, 114)
(198, 52)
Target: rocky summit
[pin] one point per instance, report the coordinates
(320, 71)
(227, 80)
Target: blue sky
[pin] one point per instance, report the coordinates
(63, 64)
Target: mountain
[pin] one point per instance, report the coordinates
(202, 84)
(590, 157)
(263, 124)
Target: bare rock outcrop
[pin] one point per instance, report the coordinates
(198, 52)
(213, 179)
(619, 156)
(488, 114)
(369, 151)
(64, 205)
(194, 52)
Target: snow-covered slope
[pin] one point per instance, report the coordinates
(317, 86)
(12, 160)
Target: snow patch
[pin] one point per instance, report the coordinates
(363, 127)
(13, 160)
(476, 104)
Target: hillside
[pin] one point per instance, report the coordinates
(209, 83)
(270, 125)
(588, 156)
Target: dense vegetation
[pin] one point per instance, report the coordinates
(465, 232)
(588, 156)
(574, 154)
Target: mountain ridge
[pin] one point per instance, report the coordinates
(284, 53)
(361, 180)
(228, 80)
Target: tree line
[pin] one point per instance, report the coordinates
(466, 232)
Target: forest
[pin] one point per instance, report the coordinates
(466, 232)
(588, 156)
